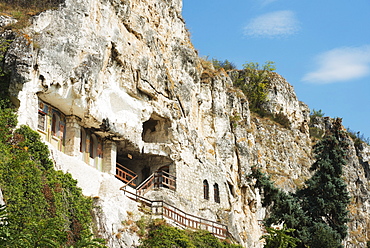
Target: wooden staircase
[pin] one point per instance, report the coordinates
(179, 218)
(125, 175)
(159, 179)
(173, 215)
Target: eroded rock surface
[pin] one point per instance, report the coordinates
(126, 69)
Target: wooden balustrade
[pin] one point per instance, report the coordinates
(180, 218)
(185, 220)
(158, 179)
(164, 179)
(125, 175)
(145, 186)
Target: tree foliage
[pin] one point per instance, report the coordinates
(227, 65)
(254, 83)
(279, 238)
(318, 212)
(161, 235)
(325, 197)
(44, 207)
(317, 113)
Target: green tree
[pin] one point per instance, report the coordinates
(325, 197)
(44, 207)
(279, 238)
(323, 236)
(255, 83)
(316, 113)
(227, 65)
(161, 235)
(285, 206)
(318, 212)
(166, 236)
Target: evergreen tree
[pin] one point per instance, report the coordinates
(325, 197)
(318, 212)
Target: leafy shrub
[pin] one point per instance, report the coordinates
(254, 81)
(33, 3)
(357, 137)
(44, 207)
(166, 236)
(227, 65)
(279, 238)
(316, 133)
(162, 235)
(316, 113)
(22, 10)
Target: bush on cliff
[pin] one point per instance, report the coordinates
(254, 82)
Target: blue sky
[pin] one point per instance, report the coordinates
(322, 48)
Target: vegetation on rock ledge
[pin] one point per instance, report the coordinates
(254, 82)
(22, 10)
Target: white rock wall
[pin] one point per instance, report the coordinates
(127, 60)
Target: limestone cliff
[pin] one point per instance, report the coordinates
(124, 72)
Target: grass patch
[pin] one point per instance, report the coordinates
(22, 11)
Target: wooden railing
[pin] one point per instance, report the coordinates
(158, 179)
(125, 175)
(185, 220)
(164, 179)
(180, 218)
(145, 186)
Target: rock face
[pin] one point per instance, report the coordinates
(125, 73)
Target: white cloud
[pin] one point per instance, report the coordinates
(341, 64)
(272, 25)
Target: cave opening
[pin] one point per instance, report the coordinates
(156, 130)
(132, 163)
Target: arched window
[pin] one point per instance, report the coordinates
(216, 193)
(206, 189)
